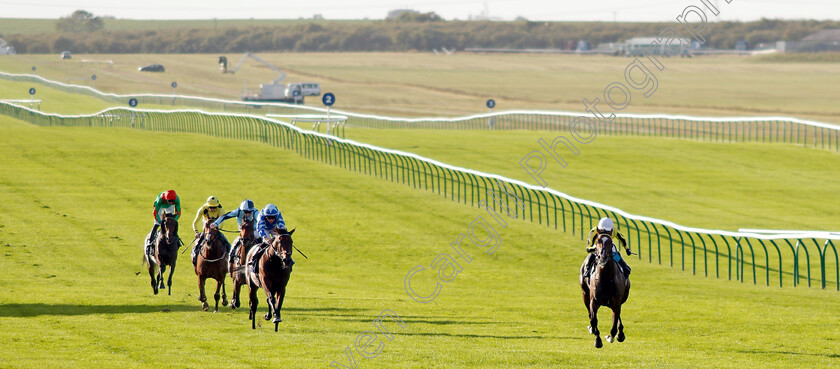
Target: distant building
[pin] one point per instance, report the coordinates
(825, 40)
(394, 14)
(649, 45)
(5, 49)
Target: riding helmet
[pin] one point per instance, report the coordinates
(605, 224)
(247, 205)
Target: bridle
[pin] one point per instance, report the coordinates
(605, 250)
(165, 230)
(209, 238)
(285, 252)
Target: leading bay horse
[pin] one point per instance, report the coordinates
(211, 262)
(241, 246)
(274, 270)
(606, 286)
(166, 253)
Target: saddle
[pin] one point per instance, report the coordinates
(255, 265)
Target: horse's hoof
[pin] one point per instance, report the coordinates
(204, 307)
(277, 320)
(215, 311)
(620, 337)
(156, 291)
(224, 302)
(598, 343)
(609, 339)
(266, 316)
(237, 303)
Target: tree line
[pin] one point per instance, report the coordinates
(404, 34)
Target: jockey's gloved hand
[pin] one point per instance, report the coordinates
(197, 233)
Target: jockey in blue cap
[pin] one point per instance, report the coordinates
(268, 221)
(245, 212)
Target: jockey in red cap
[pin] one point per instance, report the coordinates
(166, 202)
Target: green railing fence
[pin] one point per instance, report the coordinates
(731, 255)
(768, 129)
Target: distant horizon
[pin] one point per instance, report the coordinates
(652, 11)
(444, 19)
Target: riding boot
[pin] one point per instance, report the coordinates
(196, 248)
(590, 262)
(253, 263)
(152, 237)
(234, 250)
(624, 267)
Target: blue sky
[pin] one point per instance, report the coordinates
(598, 10)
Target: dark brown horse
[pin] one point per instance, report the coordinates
(273, 274)
(166, 253)
(211, 262)
(606, 286)
(245, 242)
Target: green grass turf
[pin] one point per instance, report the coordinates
(423, 84)
(697, 184)
(78, 204)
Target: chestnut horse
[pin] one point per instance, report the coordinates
(245, 241)
(606, 286)
(211, 262)
(166, 253)
(273, 274)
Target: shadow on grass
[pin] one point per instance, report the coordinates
(31, 310)
(440, 334)
(765, 352)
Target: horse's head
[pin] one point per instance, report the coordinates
(604, 249)
(210, 233)
(282, 245)
(246, 229)
(169, 228)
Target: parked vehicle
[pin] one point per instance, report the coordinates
(153, 68)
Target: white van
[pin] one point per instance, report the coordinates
(304, 89)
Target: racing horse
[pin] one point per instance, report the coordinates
(273, 271)
(606, 286)
(166, 253)
(211, 262)
(241, 246)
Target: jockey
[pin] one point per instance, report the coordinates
(605, 226)
(166, 202)
(268, 221)
(211, 211)
(246, 211)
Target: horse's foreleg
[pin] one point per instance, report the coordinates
(234, 302)
(616, 316)
(216, 295)
(270, 301)
(201, 295)
(161, 273)
(169, 280)
(252, 303)
(593, 322)
(224, 294)
(152, 276)
(620, 327)
(281, 295)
